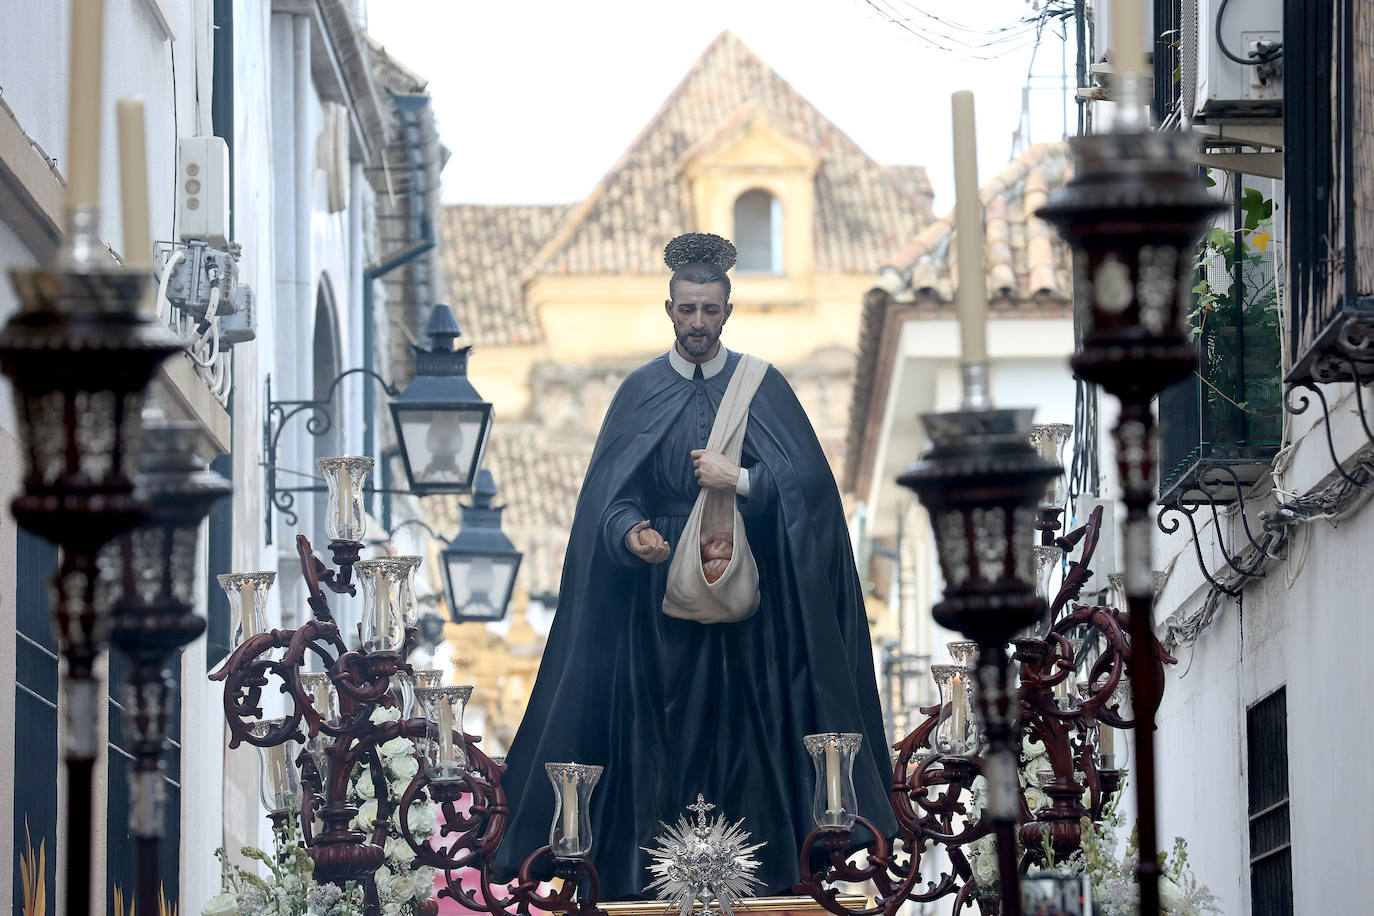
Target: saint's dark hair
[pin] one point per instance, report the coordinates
(699, 257)
(700, 273)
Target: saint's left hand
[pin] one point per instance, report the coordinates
(714, 470)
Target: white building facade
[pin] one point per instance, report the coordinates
(293, 90)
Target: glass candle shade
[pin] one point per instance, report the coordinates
(383, 603)
(323, 696)
(834, 802)
(247, 594)
(408, 684)
(963, 652)
(343, 515)
(1048, 440)
(957, 733)
(446, 758)
(409, 605)
(570, 835)
(280, 783)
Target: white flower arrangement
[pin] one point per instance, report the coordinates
(1115, 892)
(287, 889)
(402, 887)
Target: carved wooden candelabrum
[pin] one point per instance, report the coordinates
(940, 788)
(342, 716)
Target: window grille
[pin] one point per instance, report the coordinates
(1271, 863)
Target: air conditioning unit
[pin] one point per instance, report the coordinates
(1232, 59)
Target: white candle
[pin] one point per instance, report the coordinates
(971, 296)
(83, 104)
(322, 698)
(247, 607)
(832, 776)
(133, 183)
(958, 709)
(1128, 40)
(570, 811)
(1106, 739)
(382, 607)
(345, 481)
(445, 725)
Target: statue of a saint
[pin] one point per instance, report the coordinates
(670, 707)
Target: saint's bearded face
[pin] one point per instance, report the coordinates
(699, 312)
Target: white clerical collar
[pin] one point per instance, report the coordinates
(686, 368)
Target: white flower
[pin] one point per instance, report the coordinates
(400, 746)
(1031, 749)
(422, 883)
(398, 850)
(384, 714)
(1038, 771)
(422, 819)
(364, 787)
(367, 813)
(1036, 799)
(225, 904)
(985, 865)
(403, 767)
(1170, 895)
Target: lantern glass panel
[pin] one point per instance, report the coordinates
(834, 802)
(442, 444)
(247, 593)
(480, 583)
(344, 514)
(446, 759)
(383, 628)
(570, 834)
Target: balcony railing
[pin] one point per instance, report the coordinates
(1329, 164)
(1223, 425)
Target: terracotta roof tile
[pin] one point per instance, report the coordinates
(483, 250)
(1025, 259)
(862, 208)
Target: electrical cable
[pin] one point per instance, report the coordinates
(1257, 59)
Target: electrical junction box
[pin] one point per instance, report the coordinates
(203, 190)
(1223, 89)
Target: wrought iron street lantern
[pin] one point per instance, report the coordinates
(480, 564)
(442, 423)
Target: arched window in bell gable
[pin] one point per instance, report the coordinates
(758, 232)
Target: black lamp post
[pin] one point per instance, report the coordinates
(442, 422)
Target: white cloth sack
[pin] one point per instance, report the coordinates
(735, 595)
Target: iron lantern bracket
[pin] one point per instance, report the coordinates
(319, 423)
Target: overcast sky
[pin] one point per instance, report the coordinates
(537, 99)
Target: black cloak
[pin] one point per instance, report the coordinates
(669, 707)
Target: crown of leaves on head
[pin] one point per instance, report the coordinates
(699, 248)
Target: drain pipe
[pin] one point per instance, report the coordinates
(371, 275)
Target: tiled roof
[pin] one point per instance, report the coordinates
(483, 251)
(862, 209)
(1025, 259)
(914, 180)
(1028, 273)
(539, 480)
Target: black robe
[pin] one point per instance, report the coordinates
(670, 707)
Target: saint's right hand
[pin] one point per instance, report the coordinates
(647, 544)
